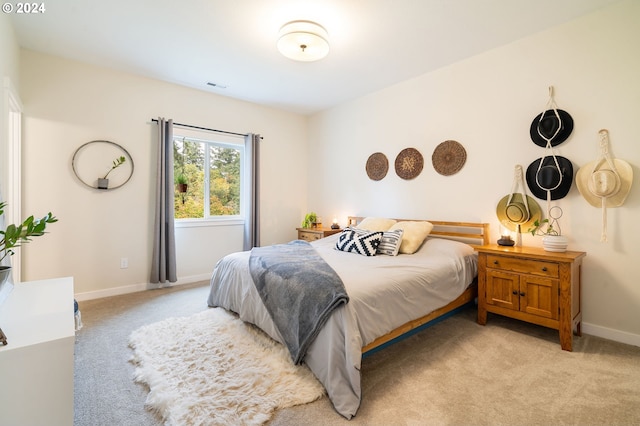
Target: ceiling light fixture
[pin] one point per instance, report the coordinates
(303, 41)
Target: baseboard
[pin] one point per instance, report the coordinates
(611, 334)
(133, 288)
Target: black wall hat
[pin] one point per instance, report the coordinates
(549, 177)
(547, 124)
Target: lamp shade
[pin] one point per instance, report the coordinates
(303, 41)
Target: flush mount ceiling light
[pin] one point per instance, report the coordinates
(303, 41)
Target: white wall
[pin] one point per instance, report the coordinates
(487, 103)
(66, 104)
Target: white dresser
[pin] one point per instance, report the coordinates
(36, 367)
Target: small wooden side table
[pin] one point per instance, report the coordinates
(533, 285)
(312, 234)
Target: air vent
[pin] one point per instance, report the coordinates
(218, 85)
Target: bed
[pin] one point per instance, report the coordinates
(388, 297)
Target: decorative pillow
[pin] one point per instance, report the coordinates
(365, 244)
(414, 235)
(376, 224)
(390, 242)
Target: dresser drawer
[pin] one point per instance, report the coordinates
(525, 266)
(309, 236)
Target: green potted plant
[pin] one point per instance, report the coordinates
(552, 238)
(310, 220)
(181, 183)
(544, 228)
(13, 236)
(103, 182)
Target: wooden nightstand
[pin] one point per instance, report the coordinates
(312, 234)
(533, 285)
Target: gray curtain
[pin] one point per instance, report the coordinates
(252, 222)
(163, 262)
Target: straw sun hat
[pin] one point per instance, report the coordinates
(605, 182)
(600, 179)
(518, 209)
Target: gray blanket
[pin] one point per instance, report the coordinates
(299, 290)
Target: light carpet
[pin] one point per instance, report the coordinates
(212, 368)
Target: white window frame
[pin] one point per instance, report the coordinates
(209, 220)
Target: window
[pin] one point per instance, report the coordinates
(208, 175)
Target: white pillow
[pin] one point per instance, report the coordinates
(376, 224)
(413, 236)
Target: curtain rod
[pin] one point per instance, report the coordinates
(205, 128)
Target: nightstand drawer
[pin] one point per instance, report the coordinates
(312, 234)
(525, 266)
(309, 236)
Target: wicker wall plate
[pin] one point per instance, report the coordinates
(409, 163)
(448, 158)
(377, 166)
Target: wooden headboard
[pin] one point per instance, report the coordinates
(471, 233)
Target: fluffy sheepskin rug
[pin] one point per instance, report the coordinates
(212, 368)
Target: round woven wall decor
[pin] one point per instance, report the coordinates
(409, 163)
(377, 166)
(448, 158)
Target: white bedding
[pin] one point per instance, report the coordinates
(385, 292)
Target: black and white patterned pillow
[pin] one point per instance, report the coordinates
(390, 242)
(365, 244)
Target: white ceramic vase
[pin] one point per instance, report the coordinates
(556, 243)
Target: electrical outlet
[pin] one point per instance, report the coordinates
(124, 263)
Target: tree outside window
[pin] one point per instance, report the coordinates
(206, 167)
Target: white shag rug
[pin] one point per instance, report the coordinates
(212, 368)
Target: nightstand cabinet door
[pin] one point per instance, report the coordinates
(526, 293)
(503, 289)
(539, 296)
